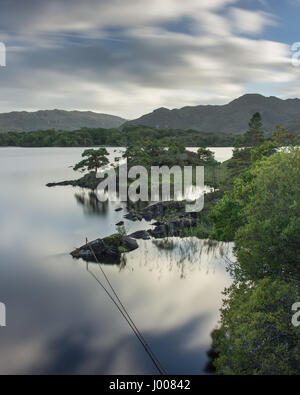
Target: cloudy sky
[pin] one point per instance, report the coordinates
(128, 57)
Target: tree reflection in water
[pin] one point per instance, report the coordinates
(184, 255)
(91, 204)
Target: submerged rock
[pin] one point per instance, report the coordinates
(131, 217)
(140, 234)
(106, 250)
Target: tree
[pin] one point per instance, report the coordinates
(155, 150)
(262, 215)
(176, 148)
(268, 244)
(206, 156)
(283, 138)
(267, 148)
(240, 161)
(255, 135)
(229, 215)
(136, 156)
(257, 336)
(94, 160)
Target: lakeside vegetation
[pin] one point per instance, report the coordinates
(87, 137)
(144, 151)
(255, 204)
(261, 214)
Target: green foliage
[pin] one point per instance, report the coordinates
(229, 215)
(262, 215)
(267, 243)
(121, 231)
(94, 159)
(137, 156)
(255, 135)
(283, 138)
(267, 148)
(122, 250)
(131, 135)
(165, 152)
(240, 161)
(206, 156)
(226, 218)
(257, 336)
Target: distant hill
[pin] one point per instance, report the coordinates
(229, 118)
(56, 119)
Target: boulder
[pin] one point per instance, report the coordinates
(140, 234)
(131, 217)
(106, 250)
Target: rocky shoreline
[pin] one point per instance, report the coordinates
(89, 181)
(170, 218)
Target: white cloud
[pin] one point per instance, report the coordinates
(124, 57)
(37, 15)
(252, 22)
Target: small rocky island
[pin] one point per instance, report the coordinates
(171, 218)
(106, 250)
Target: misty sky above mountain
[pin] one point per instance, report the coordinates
(128, 57)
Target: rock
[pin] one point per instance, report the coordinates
(130, 244)
(173, 228)
(160, 209)
(119, 209)
(131, 217)
(62, 183)
(148, 216)
(140, 234)
(159, 232)
(121, 223)
(89, 181)
(106, 250)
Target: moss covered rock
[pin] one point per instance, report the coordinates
(106, 250)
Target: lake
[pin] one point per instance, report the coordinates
(59, 320)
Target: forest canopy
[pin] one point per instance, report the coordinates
(87, 137)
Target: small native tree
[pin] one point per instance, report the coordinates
(283, 138)
(255, 135)
(94, 159)
(267, 148)
(136, 156)
(257, 336)
(261, 215)
(206, 156)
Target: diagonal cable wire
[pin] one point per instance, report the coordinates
(118, 303)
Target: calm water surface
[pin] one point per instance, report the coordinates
(58, 318)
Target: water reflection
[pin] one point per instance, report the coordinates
(182, 256)
(59, 320)
(91, 204)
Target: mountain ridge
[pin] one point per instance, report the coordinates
(25, 121)
(227, 118)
